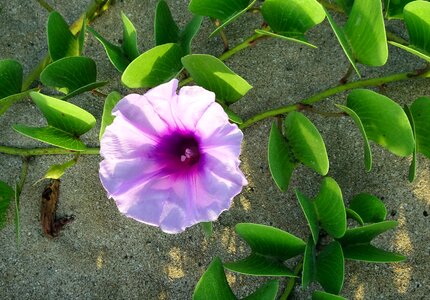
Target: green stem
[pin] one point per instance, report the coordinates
(45, 5)
(332, 91)
(45, 151)
(292, 282)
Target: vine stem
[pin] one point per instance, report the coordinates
(292, 282)
(45, 151)
(332, 91)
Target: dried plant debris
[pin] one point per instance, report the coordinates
(51, 224)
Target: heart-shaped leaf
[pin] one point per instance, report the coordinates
(10, 77)
(213, 284)
(281, 163)
(187, 34)
(212, 74)
(370, 208)
(61, 41)
(107, 118)
(356, 243)
(327, 210)
(418, 24)
(292, 19)
(6, 196)
(384, 121)
(363, 38)
(319, 295)
(266, 292)
(270, 247)
(66, 122)
(155, 66)
(71, 75)
(306, 142)
(223, 10)
(330, 268)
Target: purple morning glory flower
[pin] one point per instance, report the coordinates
(171, 160)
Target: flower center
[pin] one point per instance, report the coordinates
(178, 150)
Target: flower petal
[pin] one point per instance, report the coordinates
(161, 98)
(138, 111)
(192, 103)
(122, 140)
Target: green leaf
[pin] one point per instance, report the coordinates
(420, 111)
(418, 25)
(7, 102)
(266, 292)
(319, 295)
(52, 136)
(270, 247)
(413, 166)
(56, 171)
(61, 41)
(281, 163)
(71, 75)
(213, 284)
(366, 146)
(365, 234)
(187, 34)
(259, 265)
(330, 208)
(232, 116)
(6, 196)
(309, 263)
(129, 38)
(63, 115)
(331, 268)
(155, 66)
(306, 142)
(66, 122)
(17, 219)
(350, 214)
(212, 74)
(310, 213)
(384, 121)
(394, 8)
(107, 118)
(225, 11)
(283, 37)
(365, 30)
(346, 5)
(369, 253)
(292, 18)
(207, 228)
(270, 241)
(370, 208)
(115, 53)
(10, 78)
(363, 38)
(165, 28)
(343, 41)
(327, 209)
(167, 31)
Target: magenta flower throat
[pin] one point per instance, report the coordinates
(171, 160)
